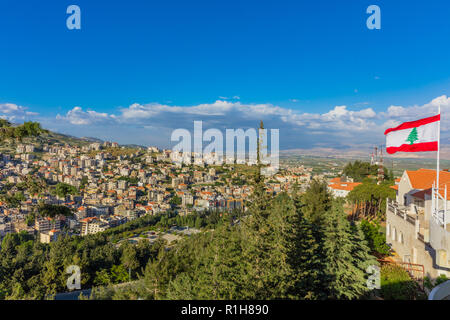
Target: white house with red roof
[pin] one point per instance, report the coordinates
(341, 187)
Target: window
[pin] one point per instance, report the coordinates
(400, 237)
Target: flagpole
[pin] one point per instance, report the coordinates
(437, 165)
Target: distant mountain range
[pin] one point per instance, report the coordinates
(363, 154)
(89, 139)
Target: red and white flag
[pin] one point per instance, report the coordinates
(414, 136)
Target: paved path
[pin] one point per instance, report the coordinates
(72, 295)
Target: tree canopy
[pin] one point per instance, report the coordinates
(51, 211)
(359, 170)
(27, 129)
(64, 189)
(369, 199)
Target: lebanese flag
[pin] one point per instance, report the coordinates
(414, 136)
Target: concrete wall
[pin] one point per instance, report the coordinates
(407, 246)
(440, 241)
(404, 187)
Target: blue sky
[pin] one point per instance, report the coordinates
(138, 69)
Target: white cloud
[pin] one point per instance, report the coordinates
(340, 125)
(337, 126)
(79, 117)
(12, 112)
(410, 113)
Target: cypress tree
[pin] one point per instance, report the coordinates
(316, 202)
(346, 257)
(308, 262)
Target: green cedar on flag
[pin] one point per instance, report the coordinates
(412, 136)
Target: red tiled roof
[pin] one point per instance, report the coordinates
(423, 179)
(348, 186)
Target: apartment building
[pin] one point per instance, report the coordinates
(46, 224)
(49, 236)
(418, 233)
(92, 225)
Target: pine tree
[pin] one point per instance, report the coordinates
(218, 269)
(316, 202)
(256, 231)
(308, 262)
(265, 253)
(346, 257)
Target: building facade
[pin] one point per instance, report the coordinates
(416, 232)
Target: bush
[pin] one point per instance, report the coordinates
(375, 239)
(427, 283)
(396, 284)
(441, 279)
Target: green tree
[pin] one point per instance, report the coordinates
(359, 170)
(51, 210)
(369, 199)
(376, 240)
(346, 257)
(119, 274)
(129, 257)
(316, 202)
(64, 189)
(102, 278)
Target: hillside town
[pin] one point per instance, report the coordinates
(105, 185)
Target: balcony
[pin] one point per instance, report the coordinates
(414, 217)
(402, 212)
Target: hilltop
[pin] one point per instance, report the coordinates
(12, 136)
(48, 137)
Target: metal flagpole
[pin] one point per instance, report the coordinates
(437, 165)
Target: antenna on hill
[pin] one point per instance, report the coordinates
(372, 159)
(380, 166)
